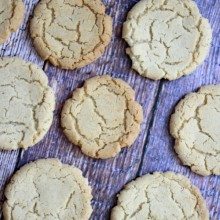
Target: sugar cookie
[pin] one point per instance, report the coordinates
(26, 104)
(70, 34)
(47, 189)
(195, 125)
(167, 38)
(160, 196)
(102, 117)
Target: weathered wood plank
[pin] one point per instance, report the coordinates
(18, 45)
(159, 154)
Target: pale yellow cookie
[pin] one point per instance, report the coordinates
(26, 104)
(47, 189)
(167, 38)
(160, 196)
(11, 16)
(102, 117)
(195, 125)
(70, 33)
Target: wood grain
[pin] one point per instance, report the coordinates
(153, 150)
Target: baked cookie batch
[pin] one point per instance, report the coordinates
(167, 39)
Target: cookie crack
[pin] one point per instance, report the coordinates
(177, 203)
(191, 190)
(104, 121)
(76, 123)
(198, 120)
(68, 201)
(12, 14)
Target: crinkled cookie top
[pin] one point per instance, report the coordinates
(167, 38)
(70, 33)
(196, 127)
(46, 189)
(160, 196)
(26, 104)
(102, 117)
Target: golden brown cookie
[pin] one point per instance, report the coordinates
(195, 125)
(160, 196)
(47, 189)
(102, 117)
(26, 104)
(70, 34)
(167, 38)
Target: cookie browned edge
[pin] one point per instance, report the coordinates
(45, 53)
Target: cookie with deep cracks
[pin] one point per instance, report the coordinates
(102, 117)
(26, 104)
(167, 38)
(47, 189)
(70, 34)
(195, 125)
(160, 196)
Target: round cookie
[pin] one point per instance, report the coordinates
(102, 117)
(167, 38)
(160, 196)
(70, 34)
(11, 16)
(195, 125)
(26, 104)
(52, 191)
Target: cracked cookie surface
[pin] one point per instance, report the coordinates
(70, 33)
(11, 16)
(167, 38)
(102, 117)
(195, 125)
(26, 104)
(52, 191)
(160, 196)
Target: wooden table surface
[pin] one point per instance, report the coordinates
(153, 150)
